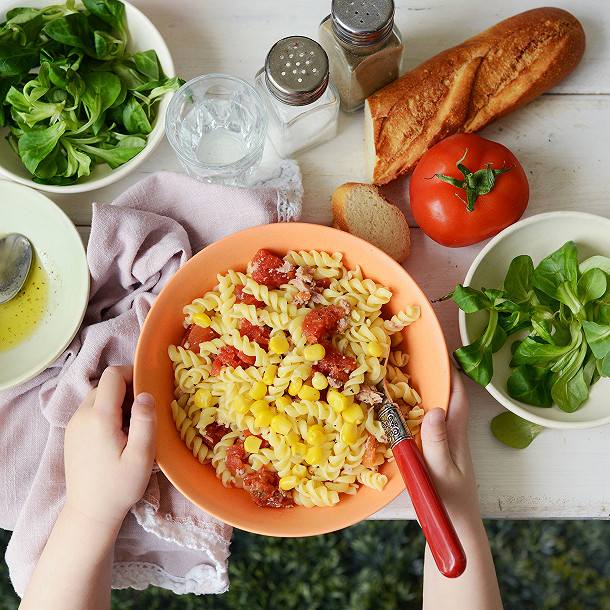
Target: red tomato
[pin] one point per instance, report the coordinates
(439, 207)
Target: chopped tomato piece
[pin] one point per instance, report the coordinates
(370, 452)
(234, 459)
(263, 486)
(213, 433)
(230, 356)
(246, 297)
(196, 334)
(258, 334)
(335, 365)
(271, 270)
(322, 323)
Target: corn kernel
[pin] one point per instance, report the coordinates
(241, 404)
(263, 418)
(313, 455)
(258, 390)
(298, 450)
(314, 352)
(282, 402)
(299, 470)
(278, 344)
(308, 392)
(295, 386)
(337, 400)
(259, 405)
(374, 349)
(319, 381)
(252, 443)
(293, 438)
(202, 319)
(281, 424)
(203, 398)
(349, 433)
(269, 374)
(316, 435)
(288, 482)
(353, 414)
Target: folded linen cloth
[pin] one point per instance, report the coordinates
(135, 246)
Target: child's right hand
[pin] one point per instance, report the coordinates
(107, 471)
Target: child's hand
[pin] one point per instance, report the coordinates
(106, 470)
(445, 448)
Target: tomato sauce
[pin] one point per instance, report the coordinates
(195, 335)
(322, 323)
(263, 487)
(370, 452)
(335, 365)
(271, 270)
(258, 334)
(213, 433)
(230, 356)
(246, 297)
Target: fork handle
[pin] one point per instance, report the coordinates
(431, 513)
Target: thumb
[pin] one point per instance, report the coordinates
(434, 440)
(141, 439)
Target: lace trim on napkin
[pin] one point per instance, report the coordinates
(286, 179)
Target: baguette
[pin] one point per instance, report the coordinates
(362, 210)
(467, 87)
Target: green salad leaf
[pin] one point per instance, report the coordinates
(70, 94)
(561, 310)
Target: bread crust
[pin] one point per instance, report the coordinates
(469, 86)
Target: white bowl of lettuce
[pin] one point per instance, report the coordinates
(552, 367)
(94, 107)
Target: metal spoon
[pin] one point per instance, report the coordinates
(15, 262)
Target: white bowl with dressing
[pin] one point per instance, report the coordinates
(39, 323)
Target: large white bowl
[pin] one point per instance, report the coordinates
(62, 254)
(143, 37)
(538, 236)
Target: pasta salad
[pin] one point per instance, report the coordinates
(275, 378)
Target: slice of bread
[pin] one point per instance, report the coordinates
(363, 211)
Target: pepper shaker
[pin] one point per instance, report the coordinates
(302, 102)
(364, 48)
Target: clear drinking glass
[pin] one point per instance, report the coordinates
(217, 125)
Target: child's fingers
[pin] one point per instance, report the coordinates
(111, 390)
(141, 440)
(434, 440)
(457, 412)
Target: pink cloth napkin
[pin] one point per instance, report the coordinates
(135, 246)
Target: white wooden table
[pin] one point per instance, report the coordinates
(562, 139)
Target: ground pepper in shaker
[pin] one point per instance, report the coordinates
(302, 103)
(364, 48)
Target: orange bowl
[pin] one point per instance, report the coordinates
(428, 367)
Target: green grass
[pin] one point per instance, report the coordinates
(378, 565)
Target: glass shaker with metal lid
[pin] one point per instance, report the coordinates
(302, 103)
(364, 48)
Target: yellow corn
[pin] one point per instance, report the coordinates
(203, 398)
(202, 319)
(241, 404)
(278, 344)
(353, 414)
(252, 444)
(288, 482)
(313, 455)
(263, 418)
(337, 400)
(282, 402)
(299, 450)
(319, 381)
(269, 374)
(281, 424)
(258, 390)
(295, 386)
(299, 470)
(316, 435)
(374, 349)
(308, 392)
(314, 352)
(259, 405)
(293, 438)
(349, 433)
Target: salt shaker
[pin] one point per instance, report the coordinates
(364, 48)
(302, 103)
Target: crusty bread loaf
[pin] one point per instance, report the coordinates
(362, 210)
(469, 86)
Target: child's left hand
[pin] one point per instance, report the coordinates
(107, 470)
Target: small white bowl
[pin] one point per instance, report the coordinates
(538, 236)
(60, 249)
(143, 36)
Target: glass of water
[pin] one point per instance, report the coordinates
(217, 125)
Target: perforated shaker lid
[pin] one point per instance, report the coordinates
(362, 23)
(296, 70)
